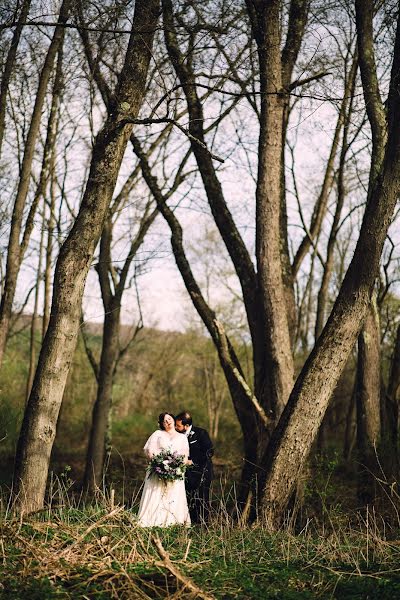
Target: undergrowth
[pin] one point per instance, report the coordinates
(98, 551)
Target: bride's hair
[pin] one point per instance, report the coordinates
(161, 418)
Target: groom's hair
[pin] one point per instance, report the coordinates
(185, 417)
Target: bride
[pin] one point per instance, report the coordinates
(164, 503)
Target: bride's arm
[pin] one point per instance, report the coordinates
(151, 446)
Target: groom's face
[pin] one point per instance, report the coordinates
(179, 426)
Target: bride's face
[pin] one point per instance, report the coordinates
(168, 423)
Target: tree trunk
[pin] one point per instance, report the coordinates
(49, 246)
(298, 17)
(341, 195)
(279, 358)
(351, 424)
(34, 322)
(368, 403)
(110, 351)
(15, 251)
(390, 424)
(102, 407)
(47, 170)
(300, 421)
(272, 356)
(40, 418)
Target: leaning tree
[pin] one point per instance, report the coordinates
(293, 437)
(74, 260)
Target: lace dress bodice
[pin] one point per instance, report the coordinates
(161, 440)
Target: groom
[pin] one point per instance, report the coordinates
(199, 475)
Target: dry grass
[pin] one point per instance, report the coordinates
(106, 553)
(98, 551)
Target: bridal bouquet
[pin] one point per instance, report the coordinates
(167, 466)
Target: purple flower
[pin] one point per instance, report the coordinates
(167, 465)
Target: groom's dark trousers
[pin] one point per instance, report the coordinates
(199, 475)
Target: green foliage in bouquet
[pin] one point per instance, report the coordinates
(167, 466)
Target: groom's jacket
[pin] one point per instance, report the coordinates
(200, 453)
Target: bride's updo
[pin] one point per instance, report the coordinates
(161, 418)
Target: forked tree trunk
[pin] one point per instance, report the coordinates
(39, 424)
(368, 403)
(236, 248)
(112, 299)
(293, 437)
(272, 356)
(279, 360)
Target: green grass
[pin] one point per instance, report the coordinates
(92, 553)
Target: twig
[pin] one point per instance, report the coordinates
(185, 131)
(167, 564)
(89, 529)
(187, 550)
(240, 379)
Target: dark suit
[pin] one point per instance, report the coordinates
(199, 475)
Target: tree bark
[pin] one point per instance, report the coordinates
(35, 314)
(110, 353)
(265, 293)
(279, 358)
(341, 194)
(223, 218)
(368, 403)
(351, 424)
(369, 77)
(390, 424)
(40, 418)
(298, 426)
(243, 399)
(298, 17)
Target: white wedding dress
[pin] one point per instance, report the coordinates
(164, 503)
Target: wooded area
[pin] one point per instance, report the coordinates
(257, 143)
